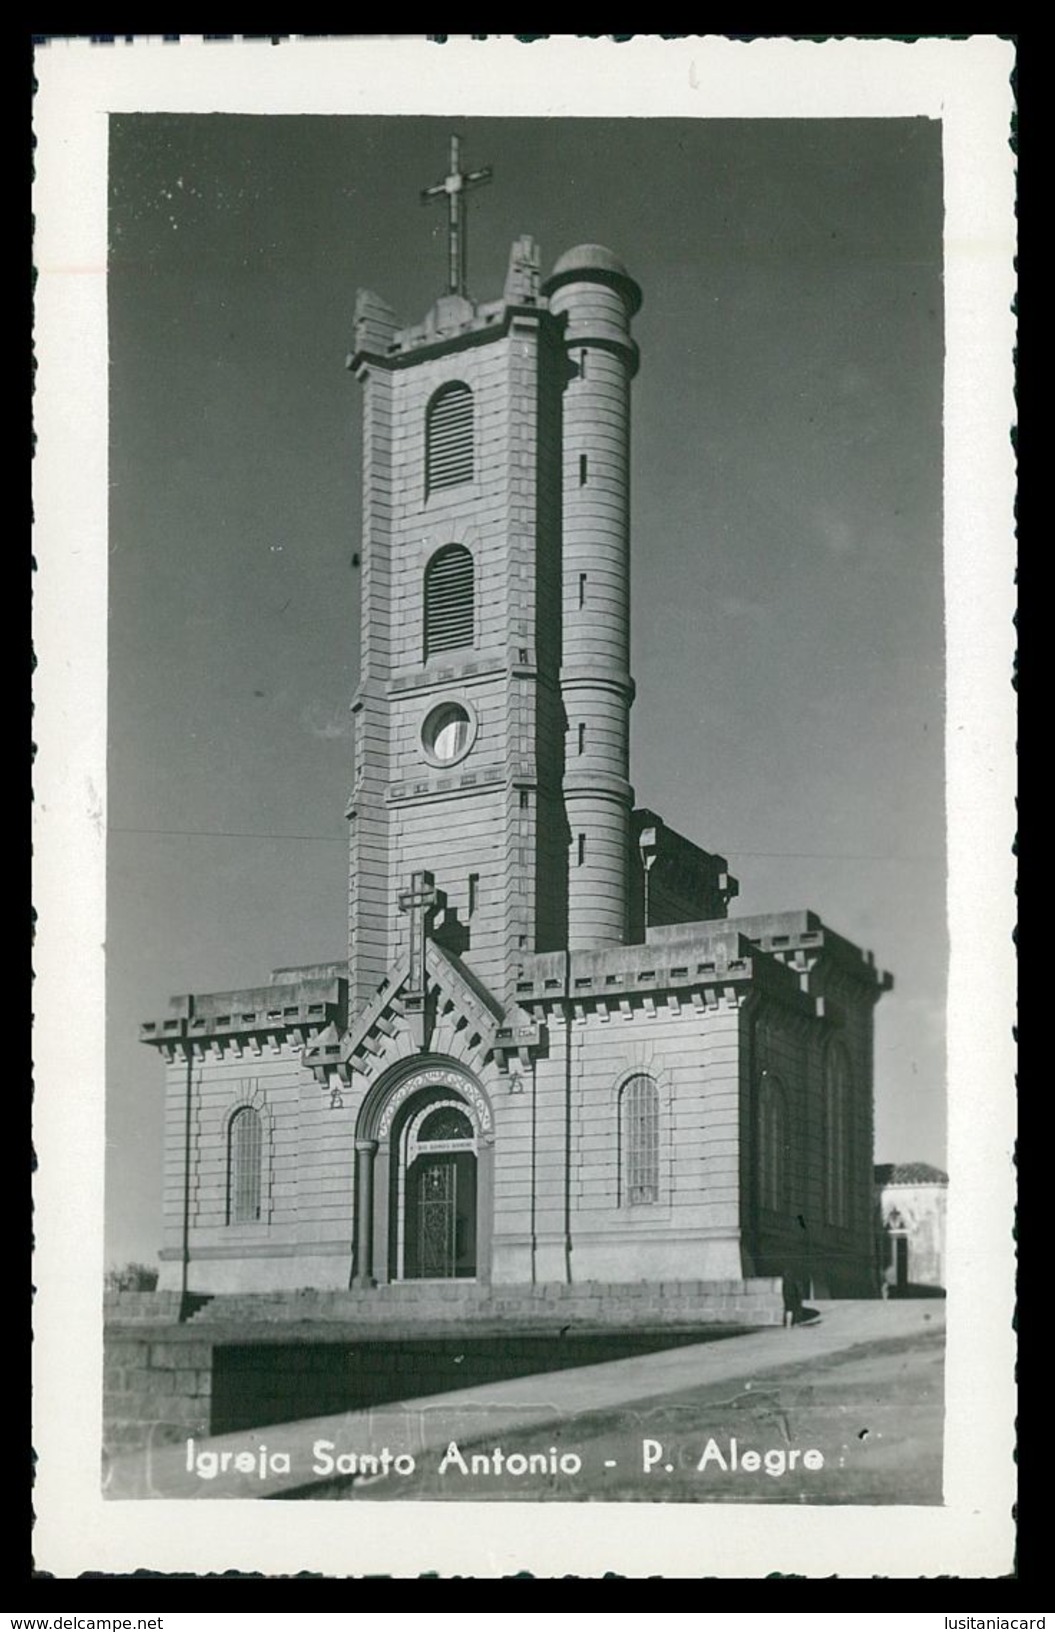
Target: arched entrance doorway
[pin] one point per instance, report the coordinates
(424, 1161)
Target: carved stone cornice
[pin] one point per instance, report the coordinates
(721, 971)
(250, 1023)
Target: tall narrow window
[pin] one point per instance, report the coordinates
(582, 848)
(582, 589)
(837, 1136)
(474, 892)
(582, 738)
(639, 1141)
(773, 1161)
(245, 1148)
(583, 469)
(448, 600)
(449, 438)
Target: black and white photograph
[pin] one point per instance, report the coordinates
(529, 615)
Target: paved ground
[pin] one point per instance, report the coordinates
(860, 1389)
(870, 1417)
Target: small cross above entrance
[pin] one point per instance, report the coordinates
(453, 185)
(421, 901)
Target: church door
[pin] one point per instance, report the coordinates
(439, 1226)
(441, 1217)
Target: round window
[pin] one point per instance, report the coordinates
(447, 734)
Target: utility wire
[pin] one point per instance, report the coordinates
(326, 838)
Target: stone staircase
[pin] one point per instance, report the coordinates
(151, 1308)
(408, 1305)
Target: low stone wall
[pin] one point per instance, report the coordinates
(157, 1389)
(341, 1350)
(258, 1384)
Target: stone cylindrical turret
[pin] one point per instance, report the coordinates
(592, 290)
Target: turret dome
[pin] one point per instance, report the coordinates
(593, 261)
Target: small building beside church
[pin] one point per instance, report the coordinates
(550, 1055)
(911, 1198)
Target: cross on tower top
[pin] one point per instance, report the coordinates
(453, 185)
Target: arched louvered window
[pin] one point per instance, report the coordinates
(773, 1152)
(449, 600)
(449, 438)
(639, 1141)
(245, 1153)
(837, 1136)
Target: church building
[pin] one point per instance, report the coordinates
(551, 1055)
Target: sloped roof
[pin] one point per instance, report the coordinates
(909, 1173)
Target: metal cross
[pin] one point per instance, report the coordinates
(452, 187)
(420, 901)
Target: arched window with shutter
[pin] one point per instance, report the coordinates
(639, 1141)
(448, 600)
(449, 437)
(245, 1160)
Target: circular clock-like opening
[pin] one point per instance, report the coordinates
(447, 734)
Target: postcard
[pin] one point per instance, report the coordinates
(524, 591)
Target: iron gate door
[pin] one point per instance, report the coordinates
(441, 1217)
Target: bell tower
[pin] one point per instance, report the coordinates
(491, 713)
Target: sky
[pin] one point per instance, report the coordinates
(787, 597)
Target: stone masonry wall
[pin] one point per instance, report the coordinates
(159, 1383)
(803, 1239)
(558, 1158)
(157, 1389)
(304, 1233)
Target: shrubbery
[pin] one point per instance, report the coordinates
(132, 1278)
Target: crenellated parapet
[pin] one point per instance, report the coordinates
(707, 972)
(453, 321)
(672, 880)
(251, 1022)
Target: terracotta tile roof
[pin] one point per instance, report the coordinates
(909, 1173)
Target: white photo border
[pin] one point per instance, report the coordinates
(964, 83)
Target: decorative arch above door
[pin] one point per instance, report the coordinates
(424, 1178)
